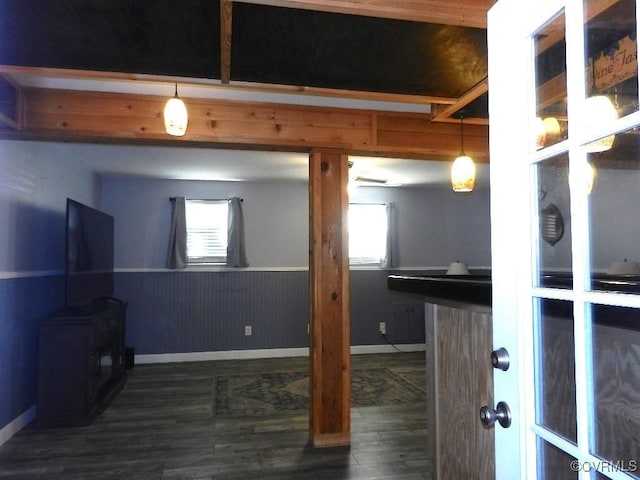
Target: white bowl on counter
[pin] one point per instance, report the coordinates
(624, 268)
(457, 268)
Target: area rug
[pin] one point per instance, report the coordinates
(281, 392)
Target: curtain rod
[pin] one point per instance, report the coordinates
(172, 199)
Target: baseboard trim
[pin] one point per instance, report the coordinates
(220, 355)
(265, 353)
(387, 348)
(10, 429)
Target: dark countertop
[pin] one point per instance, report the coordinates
(471, 289)
(467, 291)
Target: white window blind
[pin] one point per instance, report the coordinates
(368, 225)
(207, 231)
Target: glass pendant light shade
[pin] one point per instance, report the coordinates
(551, 126)
(175, 116)
(463, 170)
(600, 111)
(583, 177)
(463, 174)
(541, 133)
(548, 131)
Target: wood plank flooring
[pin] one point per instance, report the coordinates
(162, 427)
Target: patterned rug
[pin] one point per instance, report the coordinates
(281, 392)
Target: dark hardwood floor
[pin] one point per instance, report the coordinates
(163, 426)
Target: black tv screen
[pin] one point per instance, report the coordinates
(89, 254)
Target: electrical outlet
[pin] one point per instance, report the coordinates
(247, 330)
(383, 328)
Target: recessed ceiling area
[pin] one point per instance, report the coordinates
(269, 45)
(348, 52)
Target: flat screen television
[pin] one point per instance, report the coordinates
(89, 255)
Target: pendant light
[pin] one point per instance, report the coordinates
(583, 177)
(175, 116)
(600, 111)
(463, 170)
(548, 131)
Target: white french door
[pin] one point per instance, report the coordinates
(565, 218)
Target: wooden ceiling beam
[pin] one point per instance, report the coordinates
(126, 118)
(115, 78)
(226, 12)
(413, 99)
(445, 113)
(465, 13)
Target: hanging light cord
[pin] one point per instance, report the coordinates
(461, 135)
(176, 94)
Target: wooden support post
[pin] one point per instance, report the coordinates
(330, 375)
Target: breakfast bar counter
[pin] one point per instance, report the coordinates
(451, 290)
(458, 345)
(458, 339)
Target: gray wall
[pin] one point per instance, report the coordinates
(207, 309)
(276, 219)
(35, 180)
(433, 226)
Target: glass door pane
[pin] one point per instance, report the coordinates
(553, 226)
(614, 209)
(551, 83)
(611, 54)
(555, 464)
(616, 363)
(555, 361)
(612, 172)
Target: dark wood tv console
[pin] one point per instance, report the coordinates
(81, 366)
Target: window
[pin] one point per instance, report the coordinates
(207, 231)
(368, 224)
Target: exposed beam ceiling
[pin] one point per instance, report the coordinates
(415, 51)
(384, 65)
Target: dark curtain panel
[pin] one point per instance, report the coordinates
(388, 260)
(177, 254)
(236, 249)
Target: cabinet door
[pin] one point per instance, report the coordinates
(92, 366)
(464, 449)
(408, 323)
(63, 371)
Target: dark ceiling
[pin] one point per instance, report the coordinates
(272, 45)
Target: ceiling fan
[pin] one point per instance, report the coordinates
(366, 180)
(363, 180)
